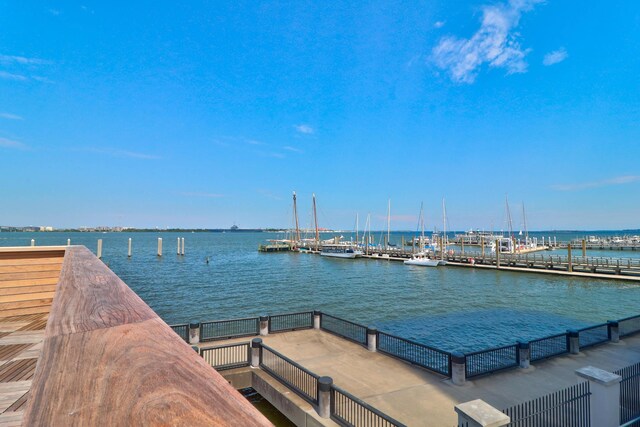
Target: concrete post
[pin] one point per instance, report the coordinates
(614, 330)
(264, 325)
(324, 396)
(33, 242)
(570, 265)
(68, 242)
(605, 396)
(458, 368)
(478, 413)
(316, 319)
(574, 341)
(159, 246)
(194, 332)
(525, 354)
(372, 339)
(129, 249)
(99, 251)
(256, 349)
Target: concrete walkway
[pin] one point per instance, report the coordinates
(418, 397)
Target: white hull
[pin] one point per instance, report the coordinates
(425, 262)
(338, 254)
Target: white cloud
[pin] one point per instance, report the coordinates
(555, 57)
(10, 76)
(438, 24)
(305, 129)
(121, 153)
(11, 59)
(618, 180)
(495, 44)
(9, 143)
(293, 149)
(10, 116)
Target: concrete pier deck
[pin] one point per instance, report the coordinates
(418, 397)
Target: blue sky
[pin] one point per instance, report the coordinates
(205, 114)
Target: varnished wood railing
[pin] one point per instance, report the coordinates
(108, 359)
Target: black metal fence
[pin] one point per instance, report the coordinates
(491, 360)
(288, 372)
(569, 407)
(227, 356)
(544, 348)
(629, 325)
(419, 354)
(344, 328)
(348, 410)
(291, 321)
(629, 392)
(182, 330)
(594, 335)
(225, 329)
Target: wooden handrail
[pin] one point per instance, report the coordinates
(108, 359)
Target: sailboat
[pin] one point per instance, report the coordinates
(422, 258)
(443, 243)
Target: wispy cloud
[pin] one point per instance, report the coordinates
(293, 149)
(11, 76)
(54, 12)
(618, 180)
(201, 194)
(438, 24)
(268, 194)
(22, 60)
(254, 142)
(10, 116)
(495, 44)
(555, 56)
(304, 129)
(10, 143)
(121, 153)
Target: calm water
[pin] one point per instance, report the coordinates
(450, 308)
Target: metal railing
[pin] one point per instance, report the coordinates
(224, 329)
(291, 321)
(594, 335)
(348, 410)
(629, 392)
(629, 325)
(491, 360)
(543, 348)
(182, 330)
(419, 354)
(302, 381)
(227, 356)
(344, 328)
(569, 407)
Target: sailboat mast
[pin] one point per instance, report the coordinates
(524, 220)
(315, 220)
(388, 221)
(506, 199)
(295, 215)
(356, 228)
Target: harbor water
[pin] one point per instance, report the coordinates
(449, 308)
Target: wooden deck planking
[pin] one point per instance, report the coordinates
(27, 290)
(11, 392)
(31, 261)
(25, 283)
(6, 269)
(53, 274)
(17, 370)
(8, 351)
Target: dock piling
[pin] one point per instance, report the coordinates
(99, 252)
(68, 242)
(178, 250)
(182, 246)
(160, 246)
(33, 242)
(129, 249)
(569, 260)
(584, 248)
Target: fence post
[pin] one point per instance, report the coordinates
(372, 339)
(573, 338)
(614, 330)
(478, 413)
(194, 332)
(458, 368)
(324, 396)
(316, 319)
(256, 349)
(605, 396)
(524, 352)
(264, 325)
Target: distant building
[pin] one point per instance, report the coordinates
(46, 228)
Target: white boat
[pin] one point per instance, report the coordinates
(422, 260)
(339, 250)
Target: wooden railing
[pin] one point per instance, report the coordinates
(109, 359)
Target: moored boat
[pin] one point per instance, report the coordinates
(339, 250)
(423, 260)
